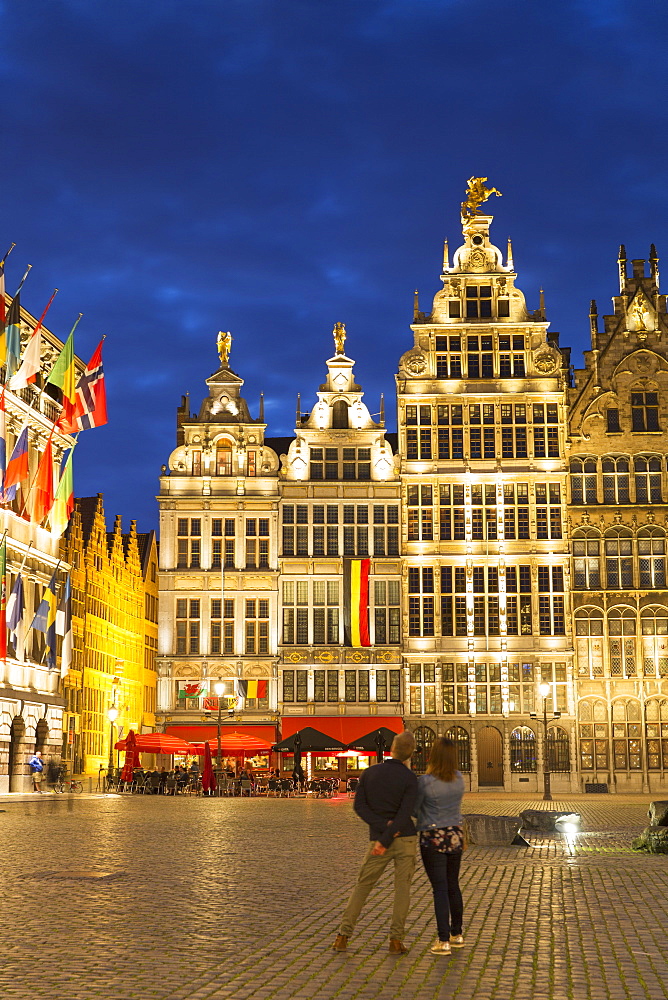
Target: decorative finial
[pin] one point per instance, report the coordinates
(541, 304)
(654, 265)
(621, 263)
(261, 407)
(382, 409)
(339, 332)
(224, 344)
(476, 194)
(593, 322)
(299, 409)
(509, 258)
(446, 256)
(416, 307)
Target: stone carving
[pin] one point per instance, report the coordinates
(545, 363)
(415, 363)
(224, 344)
(476, 194)
(339, 332)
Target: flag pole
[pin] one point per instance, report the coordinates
(22, 282)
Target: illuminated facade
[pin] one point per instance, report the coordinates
(619, 513)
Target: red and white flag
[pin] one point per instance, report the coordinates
(91, 401)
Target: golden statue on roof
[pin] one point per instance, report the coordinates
(476, 193)
(339, 332)
(224, 344)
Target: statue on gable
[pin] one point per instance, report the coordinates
(339, 332)
(476, 194)
(639, 310)
(224, 345)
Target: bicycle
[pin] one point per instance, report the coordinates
(71, 784)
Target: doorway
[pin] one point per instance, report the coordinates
(490, 757)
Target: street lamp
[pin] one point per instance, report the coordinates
(219, 687)
(544, 690)
(112, 715)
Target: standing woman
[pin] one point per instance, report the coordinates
(439, 823)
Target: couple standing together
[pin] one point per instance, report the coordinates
(388, 796)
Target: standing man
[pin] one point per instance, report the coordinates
(36, 770)
(385, 799)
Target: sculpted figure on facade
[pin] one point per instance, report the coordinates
(339, 332)
(476, 194)
(224, 345)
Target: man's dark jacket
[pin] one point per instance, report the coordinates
(385, 799)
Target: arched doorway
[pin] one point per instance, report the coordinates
(490, 757)
(424, 737)
(340, 414)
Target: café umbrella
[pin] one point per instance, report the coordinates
(131, 757)
(309, 740)
(235, 744)
(208, 777)
(156, 743)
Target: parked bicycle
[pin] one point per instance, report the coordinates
(65, 784)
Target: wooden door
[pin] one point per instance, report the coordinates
(490, 757)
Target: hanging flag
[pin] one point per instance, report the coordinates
(91, 402)
(356, 602)
(64, 627)
(256, 689)
(11, 493)
(17, 467)
(13, 337)
(63, 376)
(242, 689)
(3, 308)
(31, 359)
(3, 598)
(63, 503)
(45, 621)
(43, 485)
(15, 606)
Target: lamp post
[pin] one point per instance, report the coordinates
(219, 687)
(112, 715)
(544, 691)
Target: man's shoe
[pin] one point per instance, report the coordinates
(341, 943)
(440, 948)
(457, 941)
(397, 947)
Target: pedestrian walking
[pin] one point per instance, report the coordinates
(439, 823)
(36, 766)
(385, 800)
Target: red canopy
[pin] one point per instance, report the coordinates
(156, 743)
(131, 757)
(234, 744)
(208, 777)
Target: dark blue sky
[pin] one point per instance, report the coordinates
(271, 167)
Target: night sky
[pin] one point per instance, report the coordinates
(271, 167)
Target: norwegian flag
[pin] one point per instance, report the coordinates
(91, 403)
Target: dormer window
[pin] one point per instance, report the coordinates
(224, 460)
(645, 411)
(478, 301)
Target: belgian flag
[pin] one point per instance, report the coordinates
(356, 602)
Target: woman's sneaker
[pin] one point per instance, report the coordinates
(440, 948)
(457, 940)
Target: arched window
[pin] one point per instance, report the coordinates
(558, 749)
(593, 735)
(647, 470)
(340, 414)
(589, 641)
(615, 479)
(583, 480)
(618, 558)
(523, 750)
(626, 736)
(224, 459)
(462, 741)
(656, 731)
(622, 632)
(586, 559)
(652, 558)
(654, 628)
(424, 737)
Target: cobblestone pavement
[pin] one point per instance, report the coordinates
(184, 898)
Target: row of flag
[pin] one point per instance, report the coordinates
(243, 689)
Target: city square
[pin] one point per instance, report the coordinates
(188, 897)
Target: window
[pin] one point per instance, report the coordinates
(654, 628)
(355, 540)
(224, 460)
(295, 685)
(622, 632)
(450, 431)
(516, 510)
(187, 626)
(419, 500)
(449, 355)
(257, 543)
(545, 430)
(227, 626)
(548, 510)
(612, 420)
(479, 357)
(615, 480)
(340, 414)
(594, 735)
(388, 685)
(295, 612)
(418, 432)
(589, 642)
(478, 303)
(656, 733)
(586, 560)
(647, 475)
(256, 626)
(551, 618)
(558, 757)
(230, 533)
(387, 612)
(462, 741)
(189, 545)
(197, 462)
(518, 608)
(511, 365)
(513, 430)
(626, 736)
(386, 530)
(645, 411)
(618, 559)
(554, 674)
(422, 688)
(483, 513)
(420, 601)
(652, 558)
(325, 612)
(583, 480)
(522, 750)
(453, 601)
(452, 524)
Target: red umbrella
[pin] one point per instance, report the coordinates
(236, 744)
(131, 756)
(208, 777)
(156, 743)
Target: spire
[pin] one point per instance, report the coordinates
(446, 256)
(541, 304)
(654, 265)
(382, 409)
(299, 409)
(621, 263)
(416, 307)
(593, 322)
(509, 260)
(261, 407)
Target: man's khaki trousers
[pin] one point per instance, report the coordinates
(402, 853)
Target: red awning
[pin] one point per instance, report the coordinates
(347, 729)
(200, 734)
